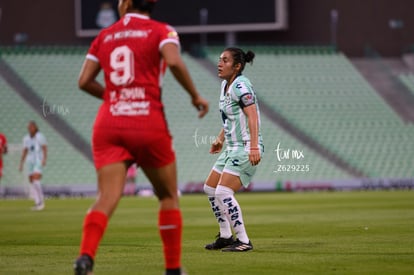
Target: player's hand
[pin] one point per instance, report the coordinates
(254, 156)
(216, 147)
(201, 105)
(20, 168)
(44, 162)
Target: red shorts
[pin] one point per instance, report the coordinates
(149, 149)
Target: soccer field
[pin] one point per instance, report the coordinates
(292, 233)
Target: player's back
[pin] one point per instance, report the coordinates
(128, 53)
(132, 41)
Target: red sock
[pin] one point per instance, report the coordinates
(94, 226)
(170, 227)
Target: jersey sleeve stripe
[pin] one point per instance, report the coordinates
(169, 40)
(92, 57)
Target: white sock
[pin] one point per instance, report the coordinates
(34, 193)
(39, 191)
(225, 228)
(233, 211)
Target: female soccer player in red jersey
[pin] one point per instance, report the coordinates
(130, 126)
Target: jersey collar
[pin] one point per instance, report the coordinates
(137, 15)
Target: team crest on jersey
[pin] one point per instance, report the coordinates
(227, 99)
(173, 34)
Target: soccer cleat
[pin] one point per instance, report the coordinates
(177, 271)
(38, 207)
(220, 243)
(83, 265)
(238, 246)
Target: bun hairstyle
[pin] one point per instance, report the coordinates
(249, 56)
(241, 57)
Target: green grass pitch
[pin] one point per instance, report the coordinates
(292, 233)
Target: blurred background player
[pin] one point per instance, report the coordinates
(237, 164)
(35, 155)
(130, 126)
(130, 188)
(3, 150)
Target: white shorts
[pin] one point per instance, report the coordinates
(34, 168)
(236, 163)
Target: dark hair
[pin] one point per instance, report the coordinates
(32, 122)
(239, 56)
(144, 5)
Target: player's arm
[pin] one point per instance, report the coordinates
(4, 147)
(171, 54)
(23, 158)
(218, 143)
(44, 149)
(252, 121)
(87, 79)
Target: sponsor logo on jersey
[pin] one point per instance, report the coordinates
(247, 99)
(235, 162)
(126, 34)
(129, 102)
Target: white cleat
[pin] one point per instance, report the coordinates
(38, 207)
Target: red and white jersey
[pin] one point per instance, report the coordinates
(129, 55)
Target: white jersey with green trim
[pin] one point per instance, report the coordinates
(34, 147)
(239, 94)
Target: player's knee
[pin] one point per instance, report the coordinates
(166, 194)
(36, 176)
(210, 191)
(223, 191)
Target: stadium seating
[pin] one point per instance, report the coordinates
(408, 81)
(315, 89)
(52, 74)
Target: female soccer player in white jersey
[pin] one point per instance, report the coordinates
(35, 154)
(244, 146)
